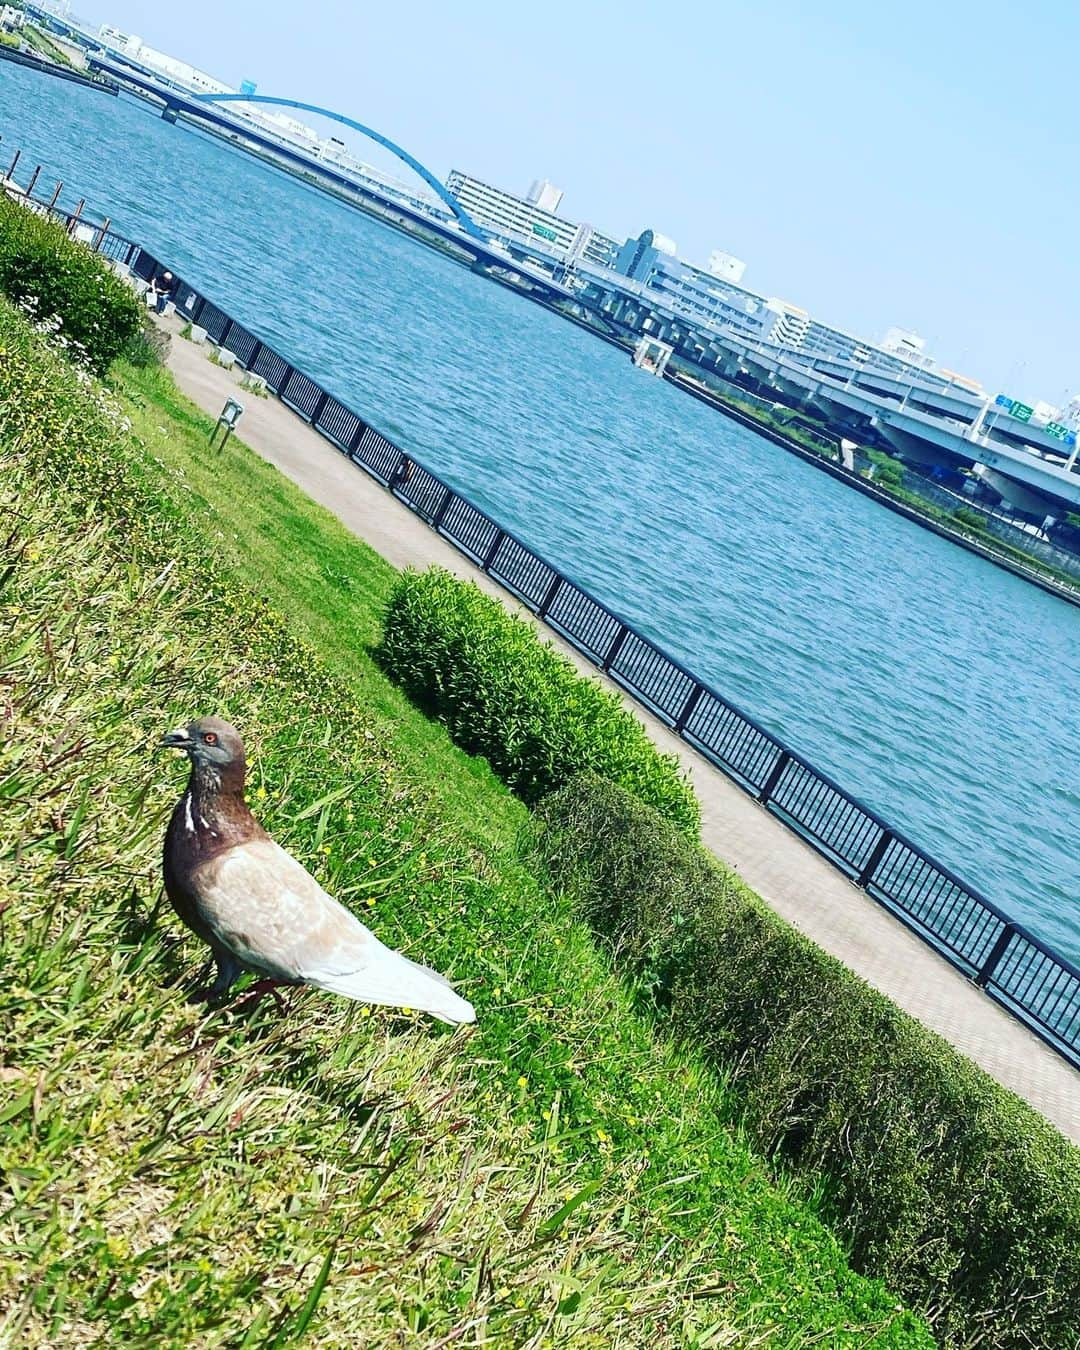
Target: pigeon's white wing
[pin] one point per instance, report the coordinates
(260, 904)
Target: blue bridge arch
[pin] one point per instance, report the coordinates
(456, 209)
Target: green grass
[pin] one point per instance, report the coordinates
(332, 587)
(40, 42)
(179, 1177)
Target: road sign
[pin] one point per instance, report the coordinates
(1003, 402)
(1021, 411)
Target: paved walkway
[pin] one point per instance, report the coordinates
(774, 861)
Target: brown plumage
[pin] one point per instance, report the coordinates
(258, 909)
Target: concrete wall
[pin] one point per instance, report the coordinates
(1060, 558)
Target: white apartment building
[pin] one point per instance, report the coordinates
(908, 345)
(528, 220)
(545, 195)
(785, 324)
(726, 266)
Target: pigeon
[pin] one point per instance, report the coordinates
(259, 909)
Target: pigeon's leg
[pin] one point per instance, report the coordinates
(228, 972)
(254, 996)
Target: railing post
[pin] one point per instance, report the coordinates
(354, 444)
(616, 646)
(688, 707)
(286, 376)
(549, 596)
(196, 313)
(320, 404)
(876, 855)
(441, 509)
(229, 326)
(997, 951)
(493, 548)
(769, 787)
(256, 352)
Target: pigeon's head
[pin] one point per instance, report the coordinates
(208, 742)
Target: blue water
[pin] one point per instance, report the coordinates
(938, 688)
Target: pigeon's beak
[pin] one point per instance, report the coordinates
(176, 739)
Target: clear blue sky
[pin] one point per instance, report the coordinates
(910, 164)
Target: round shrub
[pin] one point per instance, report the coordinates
(505, 694)
(62, 280)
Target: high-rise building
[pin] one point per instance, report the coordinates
(545, 195)
(118, 41)
(524, 219)
(785, 324)
(726, 266)
(910, 346)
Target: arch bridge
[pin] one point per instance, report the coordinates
(454, 206)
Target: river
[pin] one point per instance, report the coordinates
(940, 689)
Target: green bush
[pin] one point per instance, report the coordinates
(961, 1197)
(964, 515)
(505, 694)
(149, 346)
(63, 280)
(887, 470)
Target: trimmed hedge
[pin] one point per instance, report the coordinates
(507, 695)
(67, 282)
(952, 1190)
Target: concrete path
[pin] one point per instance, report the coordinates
(774, 861)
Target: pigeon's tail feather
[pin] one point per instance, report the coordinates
(392, 979)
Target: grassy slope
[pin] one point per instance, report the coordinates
(330, 584)
(178, 1177)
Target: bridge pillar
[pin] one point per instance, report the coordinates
(169, 112)
(726, 364)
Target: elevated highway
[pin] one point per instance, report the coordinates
(927, 418)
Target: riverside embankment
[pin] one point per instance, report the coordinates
(931, 1172)
(221, 1174)
(790, 875)
(1061, 588)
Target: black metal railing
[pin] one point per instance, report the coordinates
(1012, 965)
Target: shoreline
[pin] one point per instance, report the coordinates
(44, 67)
(868, 489)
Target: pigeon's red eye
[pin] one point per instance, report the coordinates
(210, 738)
